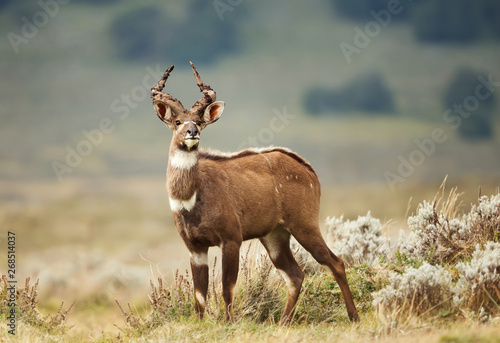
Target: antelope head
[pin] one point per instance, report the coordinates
(186, 124)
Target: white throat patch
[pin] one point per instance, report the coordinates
(179, 205)
(190, 143)
(183, 159)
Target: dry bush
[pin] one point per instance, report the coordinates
(26, 307)
(261, 292)
(478, 287)
(447, 237)
(417, 290)
(446, 241)
(167, 304)
(259, 296)
(357, 242)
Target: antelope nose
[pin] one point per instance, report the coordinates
(193, 132)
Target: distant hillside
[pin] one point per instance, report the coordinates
(68, 77)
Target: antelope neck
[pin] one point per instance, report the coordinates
(183, 160)
(182, 179)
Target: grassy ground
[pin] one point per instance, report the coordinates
(315, 325)
(367, 331)
(110, 243)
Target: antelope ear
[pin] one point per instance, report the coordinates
(213, 112)
(164, 112)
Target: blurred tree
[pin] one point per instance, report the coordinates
(490, 11)
(446, 20)
(5, 3)
(319, 101)
(139, 34)
(360, 9)
(95, 2)
(367, 93)
(471, 104)
(201, 36)
(460, 21)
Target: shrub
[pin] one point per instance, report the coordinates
(479, 284)
(356, 242)
(167, 304)
(442, 238)
(259, 296)
(418, 289)
(484, 219)
(462, 86)
(27, 309)
(367, 93)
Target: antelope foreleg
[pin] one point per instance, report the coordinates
(199, 268)
(230, 265)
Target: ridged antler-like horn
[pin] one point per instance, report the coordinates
(208, 94)
(157, 95)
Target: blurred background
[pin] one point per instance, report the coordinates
(385, 98)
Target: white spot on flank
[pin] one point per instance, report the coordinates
(179, 205)
(311, 185)
(281, 186)
(199, 259)
(276, 188)
(183, 160)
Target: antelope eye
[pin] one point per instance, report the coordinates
(198, 123)
(178, 122)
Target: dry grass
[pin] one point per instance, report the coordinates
(26, 309)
